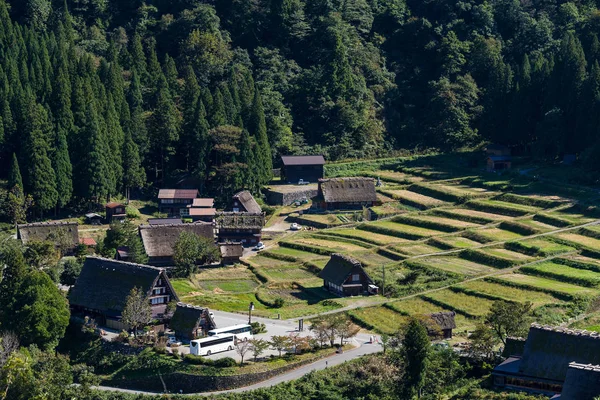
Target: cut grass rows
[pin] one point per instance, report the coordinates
(564, 273)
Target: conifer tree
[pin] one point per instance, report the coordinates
(95, 168)
(115, 138)
(170, 71)
(137, 125)
(258, 129)
(138, 57)
(200, 142)
(14, 175)
(230, 109)
(134, 175)
(217, 115)
(154, 70)
(189, 99)
(164, 129)
(63, 169)
(247, 158)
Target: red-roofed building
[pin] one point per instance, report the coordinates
(200, 210)
(87, 241)
(174, 202)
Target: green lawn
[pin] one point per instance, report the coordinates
(370, 236)
(560, 270)
(287, 274)
(579, 240)
(232, 286)
(462, 303)
(545, 283)
(302, 255)
(411, 229)
(456, 265)
(510, 293)
(458, 242)
(548, 247)
(383, 319)
(225, 301)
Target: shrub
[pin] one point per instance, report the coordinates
(258, 327)
(552, 220)
(330, 303)
(476, 236)
(589, 233)
(279, 302)
(524, 249)
(486, 258)
(226, 362)
(193, 359)
(516, 227)
(277, 256)
(132, 212)
(390, 254)
(577, 264)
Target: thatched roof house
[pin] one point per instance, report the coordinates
(582, 382)
(547, 354)
(103, 285)
(445, 321)
(345, 276)
(346, 193)
(48, 231)
(240, 227)
(244, 202)
(231, 252)
(190, 322)
(159, 240)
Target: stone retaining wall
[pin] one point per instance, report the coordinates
(285, 199)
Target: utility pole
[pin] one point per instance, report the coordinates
(250, 308)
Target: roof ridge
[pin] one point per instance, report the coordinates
(589, 367)
(158, 226)
(566, 331)
(112, 260)
(347, 258)
(48, 223)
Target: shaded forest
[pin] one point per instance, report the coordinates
(99, 97)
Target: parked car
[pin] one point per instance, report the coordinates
(173, 342)
(302, 182)
(259, 246)
(295, 227)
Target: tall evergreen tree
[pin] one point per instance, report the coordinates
(134, 175)
(170, 71)
(200, 142)
(165, 125)
(415, 351)
(258, 128)
(14, 175)
(63, 169)
(95, 167)
(217, 116)
(137, 125)
(138, 57)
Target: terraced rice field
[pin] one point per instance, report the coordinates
(502, 207)
(583, 259)
(543, 227)
(496, 234)
(560, 271)
(418, 306)
(412, 198)
(384, 319)
(548, 247)
(410, 229)
(287, 274)
(467, 212)
(579, 240)
(456, 265)
(371, 258)
(460, 302)
(415, 249)
(397, 177)
(509, 293)
(369, 236)
(458, 242)
(237, 286)
(547, 284)
(460, 190)
(574, 218)
(329, 244)
(263, 261)
(508, 254)
(299, 254)
(455, 223)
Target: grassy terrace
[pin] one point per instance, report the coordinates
(399, 228)
(413, 199)
(381, 319)
(415, 249)
(469, 306)
(507, 292)
(488, 235)
(578, 241)
(454, 242)
(564, 273)
(545, 284)
(472, 215)
(456, 265)
(370, 237)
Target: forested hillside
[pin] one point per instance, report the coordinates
(98, 97)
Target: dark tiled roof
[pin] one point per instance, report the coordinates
(303, 160)
(338, 268)
(247, 200)
(347, 190)
(444, 319)
(40, 231)
(104, 284)
(164, 221)
(177, 193)
(113, 204)
(240, 220)
(231, 249)
(549, 351)
(159, 240)
(582, 382)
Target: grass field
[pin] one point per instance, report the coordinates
(414, 199)
(579, 240)
(415, 249)
(410, 229)
(383, 319)
(501, 207)
(264, 261)
(564, 272)
(418, 306)
(299, 254)
(541, 226)
(330, 220)
(231, 286)
(467, 213)
(371, 258)
(509, 293)
(287, 274)
(547, 247)
(370, 236)
(460, 302)
(454, 223)
(456, 265)
(494, 235)
(329, 244)
(508, 254)
(545, 283)
(575, 218)
(458, 242)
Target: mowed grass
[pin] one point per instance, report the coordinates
(417, 306)
(264, 261)
(455, 223)
(456, 265)
(369, 236)
(547, 284)
(460, 302)
(510, 293)
(457, 242)
(299, 254)
(412, 198)
(328, 244)
(226, 301)
(574, 218)
(548, 247)
(232, 286)
(507, 254)
(537, 225)
(579, 240)
(561, 270)
(466, 212)
(371, 258)
(410, 229)
(287, 274)
(383, 319)
(497, 234)
(415, 249)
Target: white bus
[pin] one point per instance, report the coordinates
(241, 332)
(212, 345)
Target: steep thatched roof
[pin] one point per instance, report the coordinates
(164, 221)
(231, 249)
(247, 201)
(188, 317)
(42, 231)
(241, 220)
(582, 382)
(347, 190)
(549, 351)
(339, 267)
(104, 284)
(303, 160)
(514, 347)
(177, 193)
(159, 240)
(444, 319)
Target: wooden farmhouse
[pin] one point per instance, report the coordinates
(201, 210)
(60, 233)
(231, 252)
(498, 157)
(244, 202)
(307, 168)
(445, 322)
(159, 240)
(191, 322)
(345, 194)
(345, 276)
(102, 288)
(115, 211)
(174, 202)
(547, 360)
(240, 227)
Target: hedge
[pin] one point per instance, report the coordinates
(390, 254)
(391, 306)
(558, 294)
(305, 247)
(431, 271)
(552, 220)
(436, 242)
(405, 219)
(519, 247)
(581, 281)
(389, 232)
(499, 208)
(577, 264)
(338, 235)
(529, 201)
(449, 307)
(485, 258)
(271, 304)
(199, 360)
(256, 271)
(354, 241)
(432, 191)
(475, 293)
(277, 256)
(474, 235)
(517, 227)
(462, 217)
(585, 231)
(361, 322)
(314, 268)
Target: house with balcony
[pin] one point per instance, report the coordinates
(115, 211)
(174, 202)
(102, 288)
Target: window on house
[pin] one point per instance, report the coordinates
(355, 277)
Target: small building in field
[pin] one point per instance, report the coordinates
(346, 194)
(122, 253)
(159, 240)
(62, 234)
(445, 322)
(345, 276)
(306, 168)
(115, 211)
(191, 322)
(244, 202)
(88, 242)
(545, 364)
(231, 252)
(240, 227)
(93, 219)
(103, 285)
(495, 149)
(174, 202)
